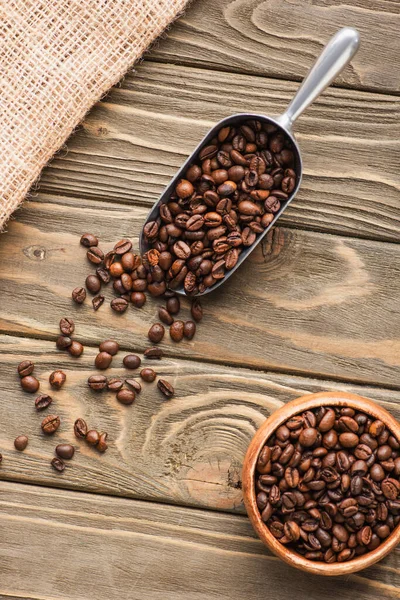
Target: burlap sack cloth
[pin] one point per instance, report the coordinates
(57, 58)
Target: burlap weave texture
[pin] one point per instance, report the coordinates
(57, 58)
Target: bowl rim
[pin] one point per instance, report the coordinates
(307, 402)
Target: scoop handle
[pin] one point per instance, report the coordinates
(335, 56)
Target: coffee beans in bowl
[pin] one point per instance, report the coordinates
(321, 483)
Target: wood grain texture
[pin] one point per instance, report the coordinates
(282, 38)
(187, 451)
(304, 302)
(130, 145)
(78, 546)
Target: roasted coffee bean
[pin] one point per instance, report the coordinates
(67, 327)
(114, 384)
(79, 295)
(88, 240)
(95, 255)
(189, 329)
(92, 437)
(30, 384)
(148, 375)
(131, 361)
(165, 388)
(165, 316)
(176, 331)
(93, 284)
(135, 385)
(97, 382)
(109, 346)
(25, 368)
(122, 247)
(75, 348)
(43, 401)
(138, 299)
(156, 333)
(102, 443)
(116, 269)
(21, 442)
(153, 353)
(58, 464)
(103, 360)
(119, 305)
(126, 396)
(97, 301)
(65, 451)
(103, 274)
(50, 424)
(57, 379)
(80, 428)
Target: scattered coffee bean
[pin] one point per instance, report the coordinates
(103, 275)
(114, 384)
(135, 385)
(165, 316)
(189, 329)
(97, 301)
(92, 437)
(88, 240)
(131, 361)
(116, 269)
(119, 305)
(57, 379)
(58, 464)
(173, 305)
(148, 375)
(156, 333)
(122, 246)
(126, 396)
(50, 424)
(197, 310)
(67, 326)
(75, 349)
(79, 295)
(153, 353)
(110, 346)
(93, 284)
(103, 360)
(80, 428)
(95, 255)
(102, 443)
(25, 368)
(21, 442)
(65, 451)
(97, 382)
(138, 299)
(176, 331)
(165, 388)
(63, 342)
(325, 484)
(43, 401)
(30, 384)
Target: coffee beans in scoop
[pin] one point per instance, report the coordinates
(327, 483)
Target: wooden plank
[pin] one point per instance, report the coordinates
(130, 145)
(58, 544)
(187, 451)
(282, 38)
(305, 302)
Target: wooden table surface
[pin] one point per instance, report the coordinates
(160, 514)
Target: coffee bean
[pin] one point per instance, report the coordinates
(109, 346)
(114, 384)
(25, 368)
(30, 384)
(97, 382)
(165, 316)
(197, 310)
(131, 361)
(153, 353)
(97, 301)
(93, 284)
(92, 437)
(119, 305)
(65, 451)
(50, 424)
(75, 348)
(63, 342)
(80, 428)
(116, 269)
(88, 239)
(103, 360)
(43, 401)
(103, 274)
(148, 375)
(189, 329)
(67, 326)
(173, 305)
(176, 331)
(95, 255)
(156, 333)
(135, 385)
(58, 464)
(122, 247)
(165, 388)
(138, 299)
(126, 396)
(21, 442)
(57, 379)
(102, 443)
(79, 295)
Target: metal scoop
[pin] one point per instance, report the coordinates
(335, 56)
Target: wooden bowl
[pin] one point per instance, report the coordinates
(299, 405)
